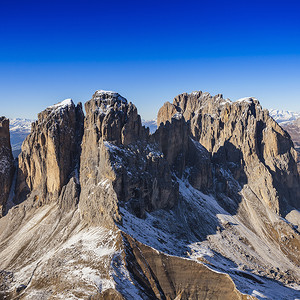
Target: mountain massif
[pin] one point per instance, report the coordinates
(205, 207)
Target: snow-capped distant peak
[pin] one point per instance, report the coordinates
(284, 116)
(18, 124)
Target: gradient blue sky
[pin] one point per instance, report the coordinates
(148, 51)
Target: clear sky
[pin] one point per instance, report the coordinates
(148, 51)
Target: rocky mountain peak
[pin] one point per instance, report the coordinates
(128, 215)
(242, 133)
(105, 101)
(115, 119)
(113, 140)
(52, 148)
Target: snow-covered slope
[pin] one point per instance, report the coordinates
(283, 116)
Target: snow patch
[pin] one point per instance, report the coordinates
(246, 99)
(63, 104)
(111, 94)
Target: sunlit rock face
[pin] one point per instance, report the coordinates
(50, 152)
(6, 163)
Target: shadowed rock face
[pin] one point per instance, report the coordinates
(6, 163)
(51, 151)
(243, 133)
(183, 152)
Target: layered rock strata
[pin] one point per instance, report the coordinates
(6, 164)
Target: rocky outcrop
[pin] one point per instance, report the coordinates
(241, 134)
(118, 163)
(6, 164)
(51, 152)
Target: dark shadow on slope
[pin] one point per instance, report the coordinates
(229, 176)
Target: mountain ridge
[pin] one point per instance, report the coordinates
(125, 213)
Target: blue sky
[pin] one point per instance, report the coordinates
(148, 51)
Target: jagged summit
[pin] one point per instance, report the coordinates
(116, 119)
(206, 206)
(242, 132)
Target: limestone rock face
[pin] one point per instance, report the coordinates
(104, 210)
(6, 163)
(118, 164)
(114, 118)
(51, 151)
(242, 133)
(182, 151)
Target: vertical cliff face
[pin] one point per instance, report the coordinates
(242, 133)
(6, 163)
(114, 119)
(118, 163)
(51, 151)
(182, 152)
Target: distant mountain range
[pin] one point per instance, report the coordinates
(284, 116)
(19, 129)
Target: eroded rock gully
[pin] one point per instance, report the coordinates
(104, 210)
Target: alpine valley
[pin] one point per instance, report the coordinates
(204, 207)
